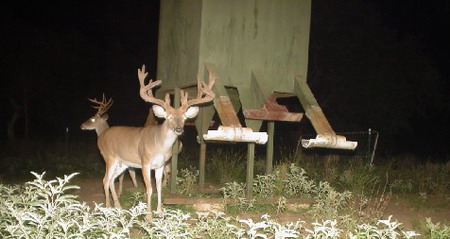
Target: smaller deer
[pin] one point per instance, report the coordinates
(99, 123)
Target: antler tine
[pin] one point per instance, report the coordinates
(184, 96)
(204, 93)
(146, 90)
(103, 106)
(107, 106)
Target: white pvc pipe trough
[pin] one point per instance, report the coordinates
(236, 134)
(329, 141)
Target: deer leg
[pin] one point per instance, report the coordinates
(146, 173)
(166, 173)
(118, 171)
(107, 179)
(120, 184)
(133, 176)
(158, 178)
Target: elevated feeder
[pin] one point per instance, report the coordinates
(256, 50)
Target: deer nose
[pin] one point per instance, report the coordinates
(179, 130)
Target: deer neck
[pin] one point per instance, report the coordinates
(101, 128)
(168, 135)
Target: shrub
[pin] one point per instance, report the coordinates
(45, 209)
(436, 231)
(187, 182)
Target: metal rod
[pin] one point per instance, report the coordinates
(250, 165)
(174, 160)
(374, 147)
(369, 138)
(202, 163)
(269, 152)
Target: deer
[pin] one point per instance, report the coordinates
(149, 147)
(99, 123)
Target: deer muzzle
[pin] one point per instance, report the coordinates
(178, 130)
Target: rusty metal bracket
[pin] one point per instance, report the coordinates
(272, 111)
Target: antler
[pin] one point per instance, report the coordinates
(204, 93)
(146, 90)
(103, 105)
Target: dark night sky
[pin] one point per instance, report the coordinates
(62, 52)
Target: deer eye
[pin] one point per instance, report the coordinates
(92, 120)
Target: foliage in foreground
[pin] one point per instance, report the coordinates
(293, 183)
(45, 209)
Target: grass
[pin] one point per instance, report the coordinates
(42, 208)
(349, 190)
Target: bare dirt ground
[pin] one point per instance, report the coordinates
(410, 210)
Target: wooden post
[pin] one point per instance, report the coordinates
(175, 148)
(269, 151)
(250, 168)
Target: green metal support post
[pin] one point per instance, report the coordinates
(269, 151)
(175, 149)
(250, 169)
(202, 163)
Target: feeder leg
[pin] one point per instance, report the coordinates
(173, 167)
(175, 148)
(202, 162)
(250, 166)
(269, 151)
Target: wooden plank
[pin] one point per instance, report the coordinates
(190, 200)
(264, 114)
(312, 108)
(227, 114)
(222, 102)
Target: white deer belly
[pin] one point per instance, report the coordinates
(158, 161)
(131, 164)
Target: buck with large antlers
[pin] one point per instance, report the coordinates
(99, 123)
(149, 147)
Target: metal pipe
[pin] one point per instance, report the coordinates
(329, 141)
(236, 134)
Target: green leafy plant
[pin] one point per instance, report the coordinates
(297, 183)
(217, 225)
(44, 209)
(329, 201)
(383, 229)
(233, 190)
(265, 186)
(187, 181)
(436, 230)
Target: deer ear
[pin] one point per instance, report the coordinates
(105, 116)
(191, 112)
(159, 111)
